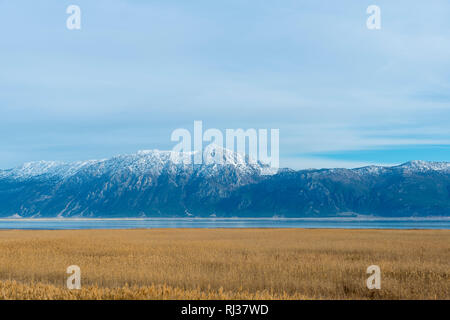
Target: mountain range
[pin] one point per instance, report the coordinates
(157, 184)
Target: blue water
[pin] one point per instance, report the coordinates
(338, 223)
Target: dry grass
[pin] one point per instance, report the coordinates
(225, 264)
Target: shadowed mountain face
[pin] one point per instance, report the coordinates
(157, 184)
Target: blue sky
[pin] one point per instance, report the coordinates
(341, 95)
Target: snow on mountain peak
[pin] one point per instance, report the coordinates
(144, 161)
(155, 161)
(212, 154)
(420, 165)
(48, 168)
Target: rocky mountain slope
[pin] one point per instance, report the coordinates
(159, 184)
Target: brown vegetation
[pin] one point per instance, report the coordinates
(225, 264)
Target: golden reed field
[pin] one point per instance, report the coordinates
(225, 264)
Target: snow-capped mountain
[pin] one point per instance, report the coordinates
(423, 166)
(156, 183)
(45, 168)
(148, 182)
(143, 162)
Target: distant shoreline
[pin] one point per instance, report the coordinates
(362, 218)
(403, 223)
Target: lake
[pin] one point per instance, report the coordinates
(338, 223)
